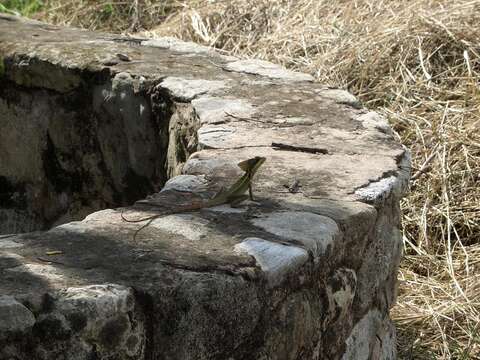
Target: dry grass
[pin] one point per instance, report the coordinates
(115, 16)
(418, 63)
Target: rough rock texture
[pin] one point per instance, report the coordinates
(91, 121)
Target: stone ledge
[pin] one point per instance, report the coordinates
(308, 274)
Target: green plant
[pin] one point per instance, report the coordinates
(2, 67)
(21, 7)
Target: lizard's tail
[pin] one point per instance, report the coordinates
(137, 220)
(150, 219)
(191, 207)
(141, 228)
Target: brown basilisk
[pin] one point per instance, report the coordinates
(233, 195)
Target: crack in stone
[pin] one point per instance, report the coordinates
(145, 301)
(305, 149)
(136, 41)
(225, 269)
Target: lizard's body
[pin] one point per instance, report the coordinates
(233, 195)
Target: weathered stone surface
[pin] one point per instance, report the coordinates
(265, 68)
(214, 110)
(275, 260)
(185, 47)
(16, 318)
(371, 338)
(90, 121)
(314, 232)
(186, 90)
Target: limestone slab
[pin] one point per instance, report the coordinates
(105, 137)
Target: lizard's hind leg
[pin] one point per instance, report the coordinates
(250, 191)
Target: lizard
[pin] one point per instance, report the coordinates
(233, 195)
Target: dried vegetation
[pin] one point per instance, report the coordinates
(418, 63)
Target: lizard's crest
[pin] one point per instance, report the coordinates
(251, 164)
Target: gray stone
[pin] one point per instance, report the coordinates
(227, 209)
(16, 318)
(265, 68)
(188, 89)
(187, 47)
(8, 244)
(121, 101)
(371, 338)
(298, 120)
(275, 260)
(18, 221)
(378, 191)
(210, 136)
(45, 272)
(315, 232)
(341, 97)
(361, 340)
(186, 183)
(188, 226)
(340, 293)
(135, 266)
(213, 110)
(376, 121)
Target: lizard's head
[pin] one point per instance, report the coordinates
(252, 164)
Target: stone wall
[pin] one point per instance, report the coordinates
(91, 122)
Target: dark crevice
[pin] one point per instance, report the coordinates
(94, 353)
(147, 308)
(162, 110)
(136, 187)
(305, 149)
(61, 179)
(231, 270)
(275, 146)
(12, 195)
